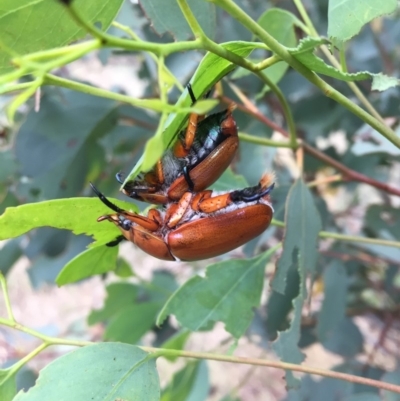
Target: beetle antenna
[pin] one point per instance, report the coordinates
(105, 200)
(120, 177)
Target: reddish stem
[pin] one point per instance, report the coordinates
(348, 173)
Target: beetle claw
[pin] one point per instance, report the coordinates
(120, 177)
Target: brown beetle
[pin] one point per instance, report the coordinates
(199, 226)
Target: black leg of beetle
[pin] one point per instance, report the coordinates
(106, 201)
(250, 194)
(116, 241)
(120, 177)
(256, 197)
(188, 179)
(191, 94)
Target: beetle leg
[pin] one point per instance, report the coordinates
(156, 175)
(198, 198)
(183, 146)
(123, 218)
(146, 222)
(252, 194)
(188, 180)
(191, 94)
(213, 204)
(160, 172)
(177, 210)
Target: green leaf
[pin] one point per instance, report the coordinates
(91, 262)
(333, 309)
(28, 26)
(345, 339)
(152, 152)
(303, 224)
(304, 53)
(280, 25)
(381, 82)
(107, 371)
(189, 383)
(280, 305)
(210, 70)
(123, 269)
(8, 387)
(78, 215)
(57, 147)
(166, 16)
(127, 317)
(229, 180)
(299, 249)
(132, 322)
(347, 17)
(119, 295)
(228, 293)
(286, 345)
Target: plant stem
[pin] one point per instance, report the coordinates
(46, 339)
(237, 13)
(152, 104)
(347, 238)
(15, 87)
(210, 45)
(286, 109)
(348, 173)
(3, 285)
(263, 141)
(274, 364)
(268, 62)
(353, 86)
(23, 97)
(325, 180)
(112, 41)
(234, 58)
(23, 361)
(135, 37)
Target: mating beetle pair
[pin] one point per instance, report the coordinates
(195, 223)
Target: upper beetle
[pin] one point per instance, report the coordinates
(199, 226)
(198, 158)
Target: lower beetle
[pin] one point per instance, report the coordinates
(201, 154)
(199, 226)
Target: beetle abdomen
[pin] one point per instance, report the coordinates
(213, 236)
